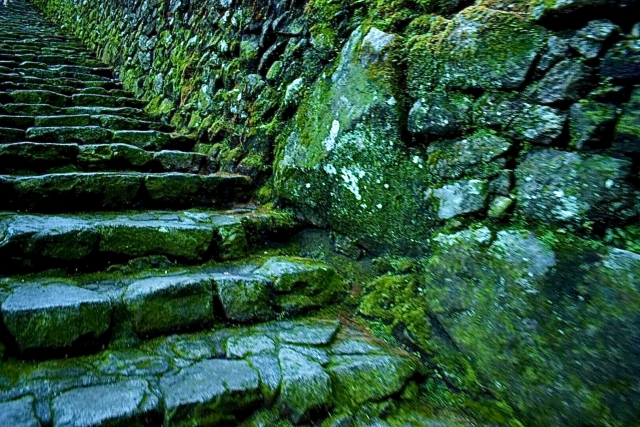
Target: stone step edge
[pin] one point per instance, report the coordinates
(54, 313)
(53, 241)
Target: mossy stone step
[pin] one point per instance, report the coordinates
(59, 81)
(28, 109)
(63, 90)
(16, 122)
(11, 134)
(29, 158)
(35, 242)
(155, 302)
(73, 192)
(39, 97)
(203, 378)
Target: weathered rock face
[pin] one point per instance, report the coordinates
(542, 319)
(343, 158)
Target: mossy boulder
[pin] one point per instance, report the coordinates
(343, 157)
(547, 321)
(479, 48)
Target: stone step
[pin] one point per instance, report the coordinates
(93, 241)
(28, 158)
(92, 191)
(58, 312)
(292, 370)
(60, 81)
(145, 139)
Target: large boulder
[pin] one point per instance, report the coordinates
(479, 48)
(549, 324)
(343, 163)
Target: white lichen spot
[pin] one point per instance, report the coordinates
(558, 193)
(330, 169)
(351, 178)
(330, 141)
(609, 184)
(379, 205)
(391, 101)
(307, 185)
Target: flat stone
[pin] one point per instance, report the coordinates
(358, 379)
(180, 161)
(63, 120)
(461, 197)
(310, 333)
(209, 391)
(55, 315)
(170, 303)
(124, 403)
(111, 156)
(305, 386)
(18, 413)
(243, 298)
(239, 347)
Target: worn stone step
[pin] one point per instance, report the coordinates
(29, 158)
(108, 121)
(147, 140)
(63, 90)
(11, 134)
(294, 369)
(73, 192)
(29, 109)
(90, 241)
(157, 302)
(59, 81)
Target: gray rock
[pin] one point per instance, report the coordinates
(520, 120)
(622, 61)
(305, 386)
(319, 355)
(591, 124)
(501, 185)
(354, 346)
(556, 187)
(209, 391)
(56, 315)
(310, 333)
(557, 50)
(169, 303)
(460, 198)
(477, 156)
(358, 379)
(125, 403)
(243, 345)
(627, 133)
(244, 298)
(18, 413)
(567, 81)
(590, 40)
(301, 284)
(439, 115)
(268, 368)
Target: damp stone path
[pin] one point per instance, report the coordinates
(130, 292)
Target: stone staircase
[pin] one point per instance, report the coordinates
(131, 293)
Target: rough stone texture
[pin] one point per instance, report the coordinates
(557, 187)
(622, 62)
(519, 303)
(343, 158)
(299, 284)
(124, 403)
(591, 124)
(55, 315)
(363, 378)
(208, 392)
(567, 81)
(460, 198)
(480, 48)
(18, 413)
(440, 115)
(305, 386)
(243, 298)
(170, 303)
(627, 133)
